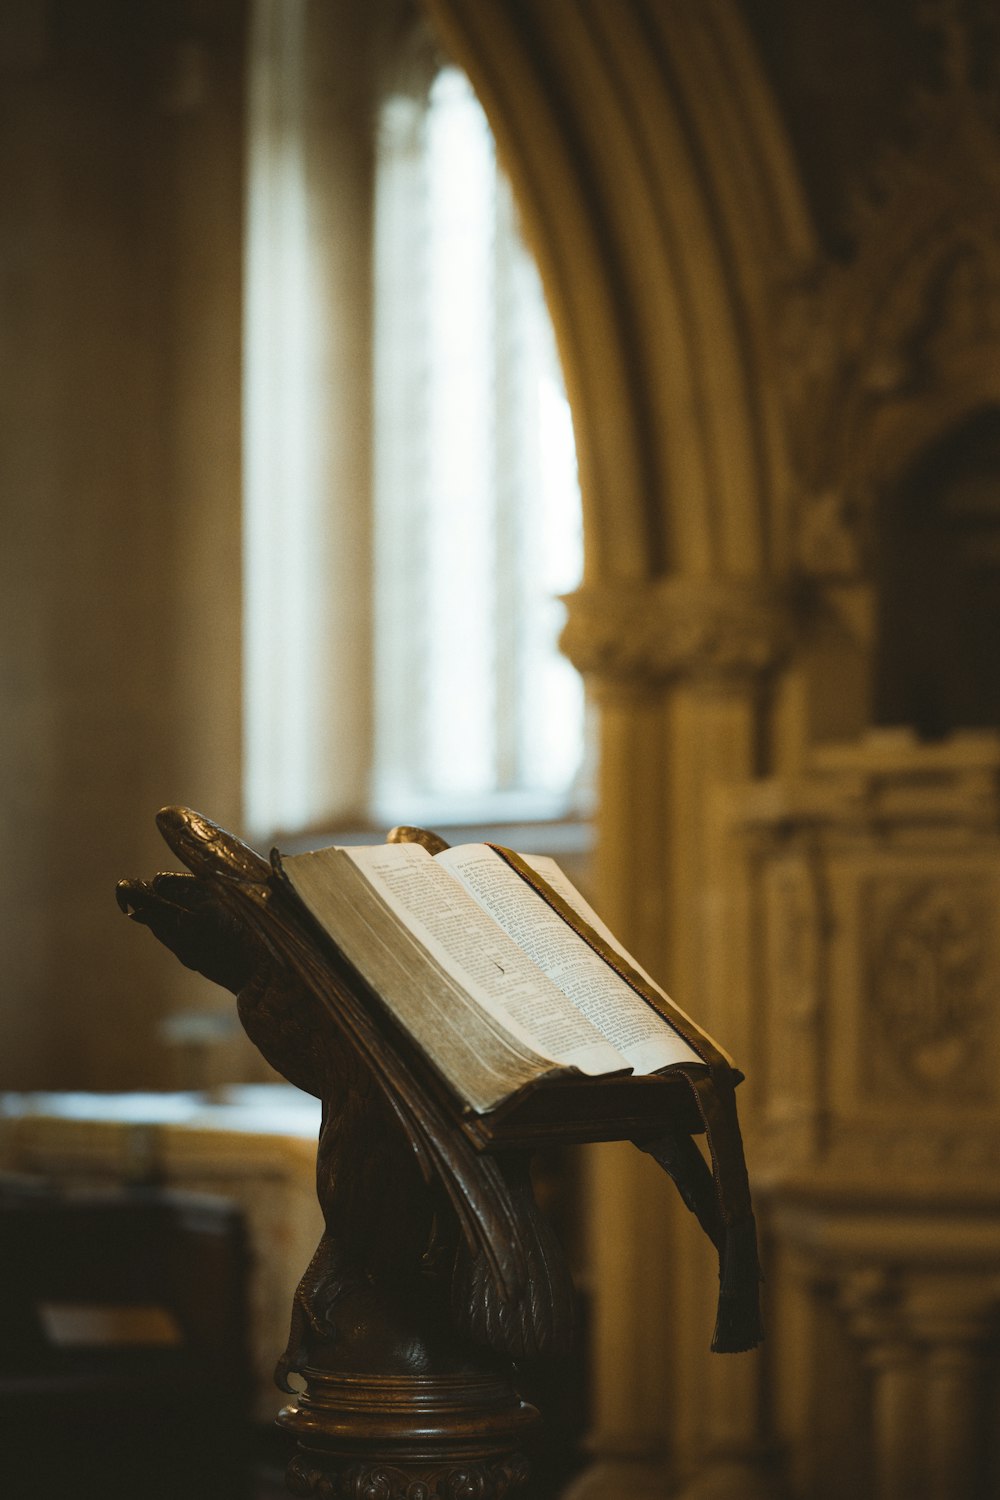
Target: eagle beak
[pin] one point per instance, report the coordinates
(207, 849)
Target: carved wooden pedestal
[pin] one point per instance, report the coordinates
(437, 1437)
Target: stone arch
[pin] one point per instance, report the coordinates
(659, 193)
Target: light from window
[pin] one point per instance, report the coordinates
(399, 643)
(477, 507)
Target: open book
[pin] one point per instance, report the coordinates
(494, 964)
(496, 1009)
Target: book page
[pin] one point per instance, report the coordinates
(633, 1027)
(564, 887)
(481, 1059)
(497, 974)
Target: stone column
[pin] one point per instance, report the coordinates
(953, 1319)
(630, 1240)
(678, 667)
(877, 1321)
(916, 1293)
(923, 1335)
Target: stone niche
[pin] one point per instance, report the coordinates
(938, 585)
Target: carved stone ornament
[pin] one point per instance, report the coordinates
(650, 632)
(929, 991)
(828, 542)
(880, 350)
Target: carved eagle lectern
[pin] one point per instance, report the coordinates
(435, 1269)
(435, 1261)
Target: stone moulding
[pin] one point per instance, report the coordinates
(658, 631)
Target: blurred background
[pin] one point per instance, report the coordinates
(578, 420)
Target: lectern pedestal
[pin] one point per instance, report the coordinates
(408, 1437)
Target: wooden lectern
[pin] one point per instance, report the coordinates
(436, 1272)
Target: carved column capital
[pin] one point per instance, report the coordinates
(650, 632)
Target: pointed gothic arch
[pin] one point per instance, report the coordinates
(659, 193)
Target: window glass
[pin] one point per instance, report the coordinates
(404, 555)
(478, 524)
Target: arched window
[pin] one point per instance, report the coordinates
(476, 500)
(468, 525)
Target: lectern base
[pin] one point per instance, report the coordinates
(408, 1437)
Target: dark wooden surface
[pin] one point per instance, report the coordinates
(110, 1418)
